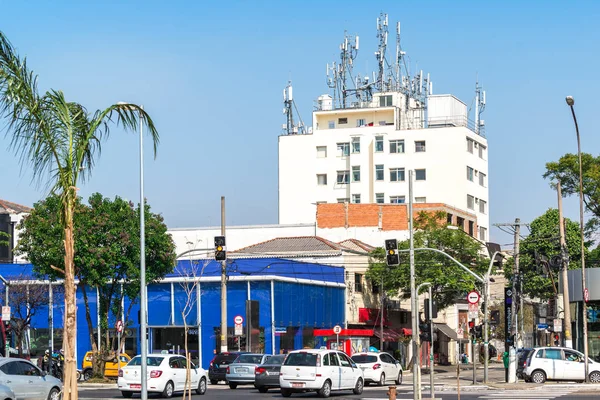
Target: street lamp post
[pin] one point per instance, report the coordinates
(431, 379)
(571, 102)
(143, 297)
(414, 309)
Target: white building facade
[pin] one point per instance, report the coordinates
(363, 155)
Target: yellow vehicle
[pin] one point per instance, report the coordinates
(111, 368)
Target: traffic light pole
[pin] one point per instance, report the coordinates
(473, 336)
(223, 286)
(432, 389)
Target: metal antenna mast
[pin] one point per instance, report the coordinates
(290, 128)
(382, 35)
(479, 106)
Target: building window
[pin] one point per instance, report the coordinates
(420, 199)
(358, 283)
(379, 198)
(396, 174)
(356, 145)
(396, 146)
(379, 172)
(321, 151)
(470, 202)
(356, 174)
(449, 219)
(420, 175)
(482, 149)
(343, 177)
(343, 149)
(471, 228)
(385, 101)
(460, 222)
(482, 233)
(482, 177)
(419, 146)
(342, 121)
(356, 198)
(470, 145)
(470, 173)
(482, 206)
(331, 124)
(322, 179)
(378, 144)
(361, 122)
(343, 200)
(397, 199)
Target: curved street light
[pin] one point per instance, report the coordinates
(571, 102)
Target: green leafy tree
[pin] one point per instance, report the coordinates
(107, 253)
(59, 139)
(566, 170)
(538, 280)
(4, 239)
(449, 281)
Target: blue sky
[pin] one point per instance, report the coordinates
(211, 75)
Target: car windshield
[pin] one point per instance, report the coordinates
(225, 358)
(249, 359)
(301, 359)
(364, 359)
(151, 361)
(275, 360)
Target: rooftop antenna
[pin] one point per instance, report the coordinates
(290, 128)
(479, 106)
(382, 35)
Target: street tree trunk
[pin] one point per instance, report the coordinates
(70, 327)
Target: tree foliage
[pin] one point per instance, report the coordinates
(107, 252)
(4, 239)
(449, 281)
(566, 170)
(543, 240)
(59, 139)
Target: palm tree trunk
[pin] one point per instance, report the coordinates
(70, 327)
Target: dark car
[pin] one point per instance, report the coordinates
(218, 366)
(522, 354)
(267, 374)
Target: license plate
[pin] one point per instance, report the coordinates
(272, 373)
(240, 370)
(135, 386)
(363, 368)
(297, 384)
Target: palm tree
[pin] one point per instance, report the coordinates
(59, 140)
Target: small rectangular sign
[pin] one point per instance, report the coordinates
(5, 313)
(239, 330)
(542, 326)
(558, 325)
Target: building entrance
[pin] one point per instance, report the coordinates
(172, 340)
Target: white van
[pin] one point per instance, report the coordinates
(321, 371)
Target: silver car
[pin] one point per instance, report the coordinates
(27, 381)
(6, 393)
(242, 370)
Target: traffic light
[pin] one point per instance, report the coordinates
(220, 252)
(556, 339)
(391, 252)
(433, 310)
(510, 340)
(425, 331)
(495, 317)
(479, 331)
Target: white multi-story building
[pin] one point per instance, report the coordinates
(363, 153)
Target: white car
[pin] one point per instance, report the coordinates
(322, 371)
(165, 373)
(558, 363)
(379, 367)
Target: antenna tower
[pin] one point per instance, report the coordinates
(290, 128)
(342, 73)
(479, 107)
(382, 35)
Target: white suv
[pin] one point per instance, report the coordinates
(379, 367)
(558, 363)
(321, 371)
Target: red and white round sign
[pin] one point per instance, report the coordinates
(119, 326)
(473, 297)
(337, 329)
(586, 295)
(238, 320)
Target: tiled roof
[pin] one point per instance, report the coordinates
(304, 245)
(357, 245)
(7, 206)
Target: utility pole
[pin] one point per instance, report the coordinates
(414, 306)
(223, 285)
(516, 285)
(565, 266)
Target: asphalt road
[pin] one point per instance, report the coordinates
(404, 392)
